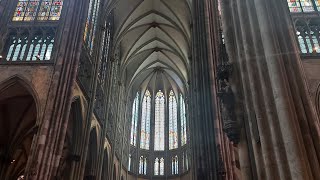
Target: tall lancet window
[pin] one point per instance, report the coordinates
(159, 121)
(143, 165)
(156, 166)
(173, 122)
(134, 121)
(161, 166)
(91, 24)
(129, 163)
(183, 121)
(175, 165)
(145, 121)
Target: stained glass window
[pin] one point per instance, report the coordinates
(156, 166)
(175, 165)
(162, 166)
(159, 121)
(26, 48)
(91, 24)
(183, 120)
(129, 164)
(145, 121)
(307, 5)
(185, 165)
(143, 165)
(302, 44)
(134, 120)
(42, 10)
(173, 122)
(303, 5)
(317, 2)
(102, 72)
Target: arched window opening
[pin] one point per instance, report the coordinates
(183, 121)
(134, 120)
(162, 166)
(26, 48)
(156, 166)
(129, 164)
(91, 24)
(41, 10)
(302, 44)
(184, 162)
(145, 121)
(166, 128)
(102, 72)
(16, 121)
(175, 165)
(159, 121)
(143, 165)
(173, 122)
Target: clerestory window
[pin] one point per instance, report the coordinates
(28, 47)
(40, 10)
(296, 6)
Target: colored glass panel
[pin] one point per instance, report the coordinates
(129, 163)
(317, 2)
(42, 10)
(307, 5)
(159, 121)
(161, 166)
(183, 121)
(91, 23)
(173, 121)
(20, 10)
(145, 121)
(134, 121)
(56, 10)
(141, 165)
(294, 6)
(31, 10)
(156, 166)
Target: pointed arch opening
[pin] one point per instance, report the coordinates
(18, 125)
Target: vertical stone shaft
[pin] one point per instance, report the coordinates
(203, 128)
(264, 49)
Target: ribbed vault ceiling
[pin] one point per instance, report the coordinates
(154, 40)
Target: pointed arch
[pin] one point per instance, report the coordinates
(73, 140)
(173, 121)
(134, 120)
(159, 128)
(18, 125)
(90, 169)
(145, 121)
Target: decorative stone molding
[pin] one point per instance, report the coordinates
(230, 124)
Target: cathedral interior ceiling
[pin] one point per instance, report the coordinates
(154, 37)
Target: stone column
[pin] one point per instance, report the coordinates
(203, 142)
(261, 43)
